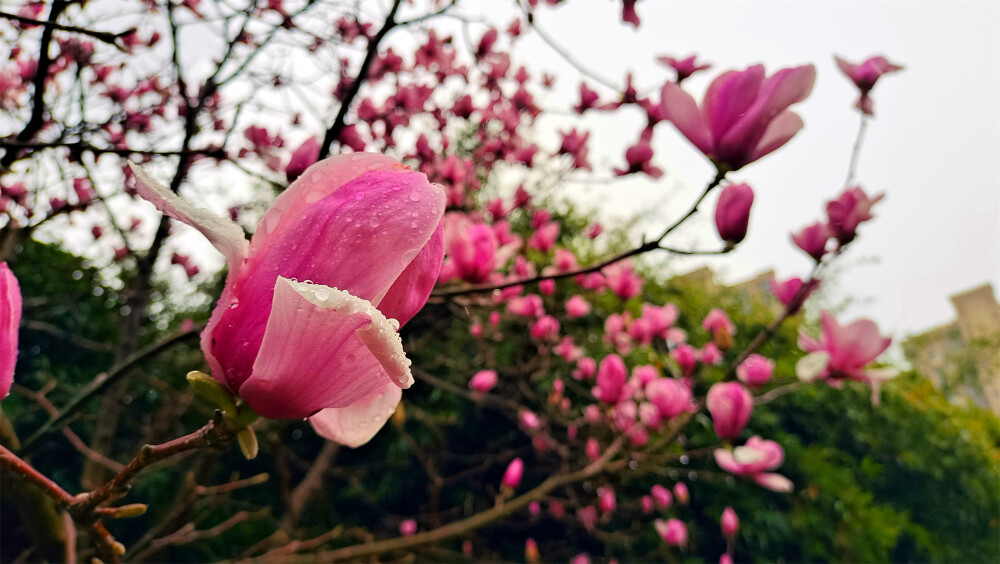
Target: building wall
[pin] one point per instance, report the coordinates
(963, 357)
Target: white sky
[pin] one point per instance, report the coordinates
(933, 147)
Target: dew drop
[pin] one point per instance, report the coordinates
(414, 196)
(373, 221)
(397, 188)
(359, 196)
(313, 197)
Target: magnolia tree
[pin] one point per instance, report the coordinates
(390, 145)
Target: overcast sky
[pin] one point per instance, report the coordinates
(933, 147)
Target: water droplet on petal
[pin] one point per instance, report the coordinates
(415, 196)
(373, 221)
(359, 196)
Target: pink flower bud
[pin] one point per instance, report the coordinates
(10, 318)
(547, 287)
(611, 377)
(732, 212)
(672, 531)
(661, 496)
(593, 449)
(512, 476)
(535, 508)
(586, 367)
(681, 493)
(530, 421)
(476, 330)
(755, 371)
(592, 413)
(848, 211)
(483, 381)
(607, 502)
(730, 523)
(546, 328)
(684, 356)
(302, 158)
(669, 396)
(408, 527)
(577, 306)
(730, 404)
(725, 559)
(812, 240)
(531, 554)
(647, 504)
(865, 75)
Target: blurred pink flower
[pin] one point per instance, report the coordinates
(752, 460)
(744, 115)
(730, 404)
(10, 319)
(865, 75)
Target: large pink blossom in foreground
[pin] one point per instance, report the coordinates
(753, 460)
(10, 318)
(307, 322)
(744, 114)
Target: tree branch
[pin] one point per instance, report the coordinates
(333, 133)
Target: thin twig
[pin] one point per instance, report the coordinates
(104, 36)
(856, 151)
(103, 380)
(12, 462)
(643, 248)
(339, 122)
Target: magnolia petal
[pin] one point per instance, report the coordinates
(360, 238)
(322, 348)
(812, 366)
(357, 423)
(779, 132)
(315, 183)
(410, 290)
(729, 96)
(10, 318)
(224, 235)
(782, 89)
(774, 482)
(680, 108)
(725, 459)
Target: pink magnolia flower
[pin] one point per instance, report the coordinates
(10, 319)
(730, 523)
(512, 475)
(545, 328)
(647, 504)
(575, 145)
(483, 381)
(367, 233)
(622, 280)
(730, 404)
(813, 240)
(408, 528)
(547, 287)
(585, 368)
(732, 212)
(848, 211)
(717, 321)
(865, 75)
(588, 517)
(607, 501)
(526, 306)
(535, 508)
(669, 396)
(628, 13)
(681, 493)
(725, 559)
(756, 370)
(588, 99)
(302, 158)
(846, 351)
(710, 354)
(611, 377)
(673, 531)
(577, 307)
(683, 67)
(786, 292)
(753, 460)
(544, 237)
(744, 115)
(593, 449)
(685, 357)
(639, 159)
(473, 249)
(530, 421)
(662, 496)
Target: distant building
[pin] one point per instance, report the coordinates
(755, 290)
(962, 358)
